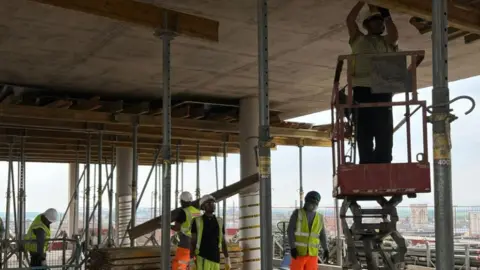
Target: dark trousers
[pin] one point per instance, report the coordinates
(36, 259)
(373, 123)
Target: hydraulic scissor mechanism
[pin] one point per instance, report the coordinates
(366, 228)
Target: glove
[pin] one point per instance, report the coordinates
(294, 253)
(228, 264)
(192, 265)
(326, 256)
(384, 12)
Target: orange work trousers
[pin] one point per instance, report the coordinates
(181, 259)
(304, 263)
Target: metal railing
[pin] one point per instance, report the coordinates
(62, 253)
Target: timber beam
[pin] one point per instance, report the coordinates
(458, 16)
(144, 15)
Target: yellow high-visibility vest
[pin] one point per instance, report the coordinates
(199, 223)
(190, 213)
(37, 223)
(307, 239)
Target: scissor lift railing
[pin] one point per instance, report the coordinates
(373, 182)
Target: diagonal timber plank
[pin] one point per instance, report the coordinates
(143, 14)
(460, 18)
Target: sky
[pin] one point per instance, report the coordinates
(47, 184)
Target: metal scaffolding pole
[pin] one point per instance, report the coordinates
(300, 173)
(155, 193)
(264, 140)
(182, 178)
(177, 159)
(224, 182)
(76, 196)
(110, 200)
(441, 119)
(166, 36)
(87, 194)
(21, 197)
(7, 211)
(134, 178)
(197, 191)
(216, 178)
(100, 190)
(160, 189)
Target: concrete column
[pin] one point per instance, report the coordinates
(73, 193)
(124, 193)
(250, 197)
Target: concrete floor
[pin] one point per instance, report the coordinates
(60, 49)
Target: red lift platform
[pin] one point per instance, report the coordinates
(354, 182)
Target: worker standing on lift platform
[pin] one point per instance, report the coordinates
(183, 224)
(371, 122)
(306, 233)
(208, 238)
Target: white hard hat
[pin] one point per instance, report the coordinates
(206, 198)
(186, 196)
(366, 13)
(51, 214)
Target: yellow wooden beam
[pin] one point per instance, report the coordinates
(143, 14)
(458, 17)
(64, 115)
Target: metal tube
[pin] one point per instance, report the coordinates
(134, 178)
(441, 142)
(167, 129)
(155, 192)
(338, 234)
(21, 197)
(182, 178)
(300, 173)
(100, 188)
(94, 198)
(216, 178)
(197, 191)
(177, 159)
(7, 211)
(160, 189)
(224, 182)
(110, 200)
(77, 187)
(87, 194)
(264, 138)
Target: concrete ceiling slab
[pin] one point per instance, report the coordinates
(61, 49)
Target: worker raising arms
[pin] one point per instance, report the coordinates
(183, 224)
(208, 238)
(371, 122)
(306, 233)
(38, 235)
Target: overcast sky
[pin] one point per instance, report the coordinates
(47, 184)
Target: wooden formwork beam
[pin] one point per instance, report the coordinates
(458, 17)
(143, 14)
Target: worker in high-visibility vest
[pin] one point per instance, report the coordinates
(306, 233)
(38, 235)
(208, 238)
(183, 224)
(371, 122)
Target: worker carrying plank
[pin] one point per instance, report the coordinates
(208, 238)
(183, 224)
(37, 237)
(306, 233)
(371, 123)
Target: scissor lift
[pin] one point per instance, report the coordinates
(354, 183)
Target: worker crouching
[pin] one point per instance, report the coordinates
(183, 224)
(38, 236)
(208, 238)
(306, 233)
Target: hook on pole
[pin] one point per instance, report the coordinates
(472, 101)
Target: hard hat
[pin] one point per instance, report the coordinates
(205, 199)
(368, 13)
(186, 196)
(313, 195)
(51, 214)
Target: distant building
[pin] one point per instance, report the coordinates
(419, 215)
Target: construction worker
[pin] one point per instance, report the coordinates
(371, 123)
(208, 238)
(39, 234)
(306, 233)
(183, 225)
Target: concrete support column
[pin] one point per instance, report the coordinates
(124, 193)
(249, 198)
(73, 193)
